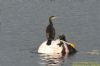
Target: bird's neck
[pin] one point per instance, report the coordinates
(50, 21)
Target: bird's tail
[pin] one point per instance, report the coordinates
(49, 42)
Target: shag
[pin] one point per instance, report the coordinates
(50, 31)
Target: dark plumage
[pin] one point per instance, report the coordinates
(50, 31)
(62, 37)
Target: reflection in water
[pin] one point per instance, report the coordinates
(51, 60)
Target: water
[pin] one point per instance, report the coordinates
(22, 30)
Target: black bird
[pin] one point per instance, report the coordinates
(50, 31)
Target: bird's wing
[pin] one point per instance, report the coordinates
(47, 35)
(54, 33)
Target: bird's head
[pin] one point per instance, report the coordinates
(52, 18)
(62, 37)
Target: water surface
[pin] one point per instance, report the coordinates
(22, 30)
